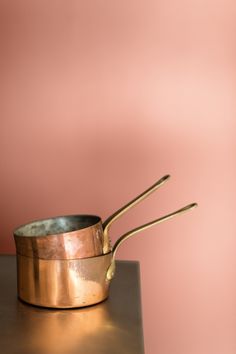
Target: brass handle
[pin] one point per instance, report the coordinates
(111, 269)
(107, 223)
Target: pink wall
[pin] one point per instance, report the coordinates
(102, 98)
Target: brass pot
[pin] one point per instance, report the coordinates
(68, 261)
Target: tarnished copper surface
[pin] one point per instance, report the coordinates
(63, 283)
(82, 243)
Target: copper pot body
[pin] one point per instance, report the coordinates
(68, 261)
(62, 237)
(63, 283)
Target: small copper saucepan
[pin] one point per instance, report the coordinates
(68, 261)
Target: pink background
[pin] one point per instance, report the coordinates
(99, 100)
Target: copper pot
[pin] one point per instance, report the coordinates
(68, 261)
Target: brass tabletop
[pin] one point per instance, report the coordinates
(114, 326)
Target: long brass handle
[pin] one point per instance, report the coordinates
(111, 269)
(107, 223)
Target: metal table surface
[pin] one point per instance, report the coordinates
(113, 326)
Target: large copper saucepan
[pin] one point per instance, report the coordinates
(68, 261)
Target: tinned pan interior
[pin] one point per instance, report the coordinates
(63, 283)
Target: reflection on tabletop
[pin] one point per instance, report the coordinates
(66, 331)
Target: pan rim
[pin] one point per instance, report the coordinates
(96, 220)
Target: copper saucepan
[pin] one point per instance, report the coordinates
(68, 261)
